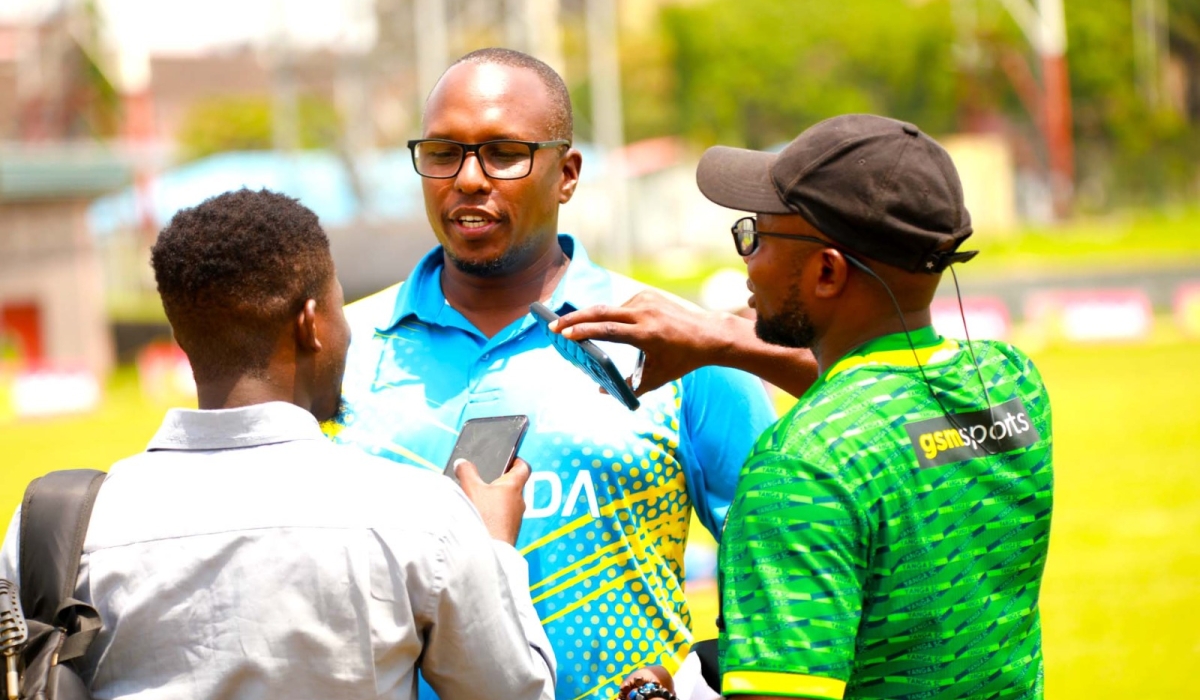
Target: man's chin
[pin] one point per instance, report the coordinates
(788, 335)
(481, 267)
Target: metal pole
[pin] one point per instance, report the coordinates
(1045, 27)
(431, 45)
(285, 121)
(542, 32)
(1056, 86)
(609, 136)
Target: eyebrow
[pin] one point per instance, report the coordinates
(491, 137)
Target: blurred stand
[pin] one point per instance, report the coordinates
(326, 121)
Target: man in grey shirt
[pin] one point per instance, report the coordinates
(243, 555)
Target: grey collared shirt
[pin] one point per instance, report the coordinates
(243, 555)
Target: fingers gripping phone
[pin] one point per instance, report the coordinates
(588, 357)
(490, 444)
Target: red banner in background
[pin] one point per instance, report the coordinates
(165, 375)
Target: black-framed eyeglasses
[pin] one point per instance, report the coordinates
(746, 235)
(502, 159)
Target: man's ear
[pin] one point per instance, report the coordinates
(833, 274)
(571, 166)
(306, 327)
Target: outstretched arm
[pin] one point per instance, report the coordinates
(679, 338)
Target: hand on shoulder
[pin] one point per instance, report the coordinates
(676, 336)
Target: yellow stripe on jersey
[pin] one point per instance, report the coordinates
(409, 454)
(902, 358)
(608, 586)
(602, 552)
(792, 685)
(616, 555)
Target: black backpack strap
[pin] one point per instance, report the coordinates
(54, 522)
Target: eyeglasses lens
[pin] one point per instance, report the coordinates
(505, 160)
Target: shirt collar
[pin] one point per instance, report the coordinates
(922, 345)
(222, 429)
(421, 296)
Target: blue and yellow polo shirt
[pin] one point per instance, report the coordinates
(612, 490)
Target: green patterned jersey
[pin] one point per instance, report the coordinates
(877, 548)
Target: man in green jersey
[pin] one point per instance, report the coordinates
(888, 535)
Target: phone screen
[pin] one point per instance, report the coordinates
(490, 444)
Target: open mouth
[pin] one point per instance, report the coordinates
(473, 222)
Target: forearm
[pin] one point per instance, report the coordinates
(792, 370)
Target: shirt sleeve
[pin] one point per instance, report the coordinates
(724, 412)
(485, 640)
(793, 568)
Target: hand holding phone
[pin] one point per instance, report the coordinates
(490, 444)
(588, 357)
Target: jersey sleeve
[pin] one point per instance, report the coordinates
(724, 412)
(793, 569)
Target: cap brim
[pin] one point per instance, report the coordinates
(740, 179)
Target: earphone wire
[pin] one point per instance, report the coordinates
(970, 346)
(912, 346)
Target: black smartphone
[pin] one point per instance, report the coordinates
(490, 444)
(588, 357)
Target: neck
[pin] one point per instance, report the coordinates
(244, 390)
(836, 343)
(491, 303)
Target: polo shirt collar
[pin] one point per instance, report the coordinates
(421, 295)
(921, 345)
(229, 428)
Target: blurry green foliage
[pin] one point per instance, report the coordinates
(753, 71)
(222, 124)
(1127, 145)
(756, 72)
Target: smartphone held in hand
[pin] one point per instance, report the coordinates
(588, 357)
(490, 444)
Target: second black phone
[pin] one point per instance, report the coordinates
(490, 444)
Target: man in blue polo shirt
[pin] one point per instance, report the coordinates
(612, 490)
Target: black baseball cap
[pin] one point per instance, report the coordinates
(877, 186)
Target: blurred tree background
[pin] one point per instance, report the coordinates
(754, 72)
(220, 124)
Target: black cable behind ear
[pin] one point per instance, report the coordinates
(912, 346)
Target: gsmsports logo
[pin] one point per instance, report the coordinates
(1005, 428)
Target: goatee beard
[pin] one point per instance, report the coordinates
(790, 328)
(511, 260)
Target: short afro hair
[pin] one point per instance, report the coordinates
(232, 270)
(562, 119)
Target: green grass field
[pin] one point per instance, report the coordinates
(1121, 603)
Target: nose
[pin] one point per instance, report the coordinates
(471, 178)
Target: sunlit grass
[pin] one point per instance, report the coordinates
(1121, 602)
